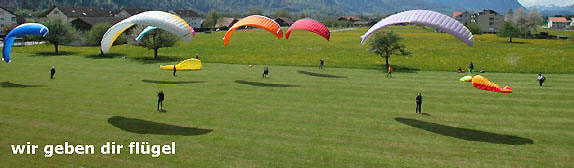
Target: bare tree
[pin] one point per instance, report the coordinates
(534, 19)
(520, 18)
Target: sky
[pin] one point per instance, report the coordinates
(529, 3)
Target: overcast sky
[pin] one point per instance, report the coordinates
(528, 3)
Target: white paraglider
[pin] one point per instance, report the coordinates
(425, 17)
(162, 20)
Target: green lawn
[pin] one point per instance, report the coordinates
(227, 116)
(429, 51)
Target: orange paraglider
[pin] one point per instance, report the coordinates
(255, 21)
(481, 82)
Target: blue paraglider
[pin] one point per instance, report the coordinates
(144, 31)
(25, 29)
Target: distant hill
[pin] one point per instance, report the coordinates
(322, 7)
(554, 10)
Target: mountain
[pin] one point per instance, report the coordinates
(322, 7)
(551, 10)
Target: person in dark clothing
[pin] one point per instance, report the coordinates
(419, 100)
(471, 67)
(174, 70)
(196, 56)
(265, 72)
(160, 98)
(541, 79)
(52, 72)
(321, 63)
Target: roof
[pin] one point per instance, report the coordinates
(490, 11)
(558, 19)
(10, 10)
(284, 19)
(95, 20)
(79, 11)
(350, 18)
(455, 14)
(132, 11)
(186, 13)
(225, 22)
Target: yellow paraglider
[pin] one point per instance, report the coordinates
(188, 64)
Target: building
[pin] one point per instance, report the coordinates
(283, 21)
(191, 17)
(557, 22)
(71, 13)
(488, 20)
(572, 21)
(349, 18)
(463, 17)
(7, 19)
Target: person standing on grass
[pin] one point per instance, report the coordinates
(541, 79)
(390, 71)
(197, 56)
(321, 63)
(265, 72)
(160, 98)
(174, 70)
(419, 100)
(471, 67)
(52, 72)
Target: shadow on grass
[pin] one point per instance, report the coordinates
(61, 53)
(14, 85)
(264, 84)
(159, 59)
(397, 68)
(516, 42)
(426, 114)
(105, 56)
(466, 134)
(320, 75)
(170, 82)
(149, 127)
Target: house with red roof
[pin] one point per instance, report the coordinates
(558, 22)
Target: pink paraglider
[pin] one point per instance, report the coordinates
(310, 25)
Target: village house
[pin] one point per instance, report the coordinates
(557, 22)
(7, 19)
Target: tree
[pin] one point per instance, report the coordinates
(509, 30)
(520, 18)
(474, 28)
(211, 19)
(60, 32)
(255, 11)
(534, 19)
(282, 13)
(509, 15)
(387, 44)
(157, 39)
(94, 36)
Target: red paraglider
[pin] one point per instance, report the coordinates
(309, 25)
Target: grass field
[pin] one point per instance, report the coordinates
(429, 51)
(227, 116)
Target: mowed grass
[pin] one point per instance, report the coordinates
(430, 51)
(299, 117)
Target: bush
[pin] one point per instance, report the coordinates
(474, 28)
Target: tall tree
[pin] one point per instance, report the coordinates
(211, 19)
(509, 30)
(520, 18)
(157, 39)
(387, 44)
(509, 15)
(94, 36)
(60, 32)
(474, 28)
(534, 19)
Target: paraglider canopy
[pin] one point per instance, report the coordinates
(309, 25)
(255, 21)
(162, 20)
(21, 30)
(425, 17)
(150, 28)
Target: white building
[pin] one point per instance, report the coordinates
(191, 17)
(557, 22)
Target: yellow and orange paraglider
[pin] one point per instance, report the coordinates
(255, 21)
(188, 64)
(481, 82)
